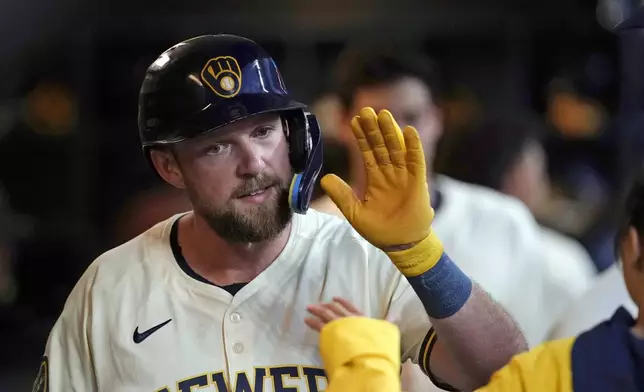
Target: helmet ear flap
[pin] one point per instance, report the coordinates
(299, 139)
(305, 141)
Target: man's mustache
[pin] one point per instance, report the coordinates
(255, 184)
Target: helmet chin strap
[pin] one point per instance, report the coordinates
(303, 183)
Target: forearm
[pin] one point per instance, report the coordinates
(481, 337)
(475, 335)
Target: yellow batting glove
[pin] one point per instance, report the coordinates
(395, 212)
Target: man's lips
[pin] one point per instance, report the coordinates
(254, 192)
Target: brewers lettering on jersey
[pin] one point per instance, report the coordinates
(217, 298)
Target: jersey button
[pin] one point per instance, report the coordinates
(238, 347)
(235, 317)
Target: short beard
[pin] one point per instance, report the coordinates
(262, 223)
(258, 223)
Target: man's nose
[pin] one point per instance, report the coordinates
(251, 163)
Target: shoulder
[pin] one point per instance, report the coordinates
(472, 216)
(334, 248)
(607, 293)
(334, 240)
(125, 263)
(485, 198)
(567, 258)
(483, 206)
(555, 350)
(331, 231)
(566, 246)
(569, 272)
(605, 354)
(545, 367)
(325, 205)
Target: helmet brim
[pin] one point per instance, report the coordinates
(214, 117)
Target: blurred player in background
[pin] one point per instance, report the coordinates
(495, 236)
(147, 208)
(10, 231)
(606, 294)
(335, 161)
(327, 108)
(626, 19)
(504, 152)
(608, 357)
(217, 298)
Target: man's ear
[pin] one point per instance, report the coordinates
(166, 164)
(438, 115)
(630, 249)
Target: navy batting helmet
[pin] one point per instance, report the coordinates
(207, 82)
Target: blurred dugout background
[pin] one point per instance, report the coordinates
(73, 179)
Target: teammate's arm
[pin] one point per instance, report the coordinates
(474, 336)
(474, 342)
(359, 353)
(545, 368)
(440, 352)
(362, 354)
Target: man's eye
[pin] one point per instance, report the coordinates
(263, 131)
(215, 149)
(411, 119)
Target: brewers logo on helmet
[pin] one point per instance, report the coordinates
(223, 76)
(207, 82)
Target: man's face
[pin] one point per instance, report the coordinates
(527, 180)
(237, 178)
(632, 256)
(410, 102)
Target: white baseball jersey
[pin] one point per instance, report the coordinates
(495, 239)
(137, 321)
(596, 305)
(570, 269)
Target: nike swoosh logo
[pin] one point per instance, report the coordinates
(139, 337)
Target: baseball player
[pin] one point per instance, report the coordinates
(608, 357)
(360, 354)
(469, 219)
(626, 20)
(493, 237)
(504, 152)
(216, 299)
(607, 293)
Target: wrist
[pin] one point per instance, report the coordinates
(443, 290)
(417, 258)
(398, 248)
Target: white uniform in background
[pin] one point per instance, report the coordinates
(596, 305)
(138, 321)
(496, 241)
(571, 269)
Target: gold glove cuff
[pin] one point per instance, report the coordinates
(420, 258)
